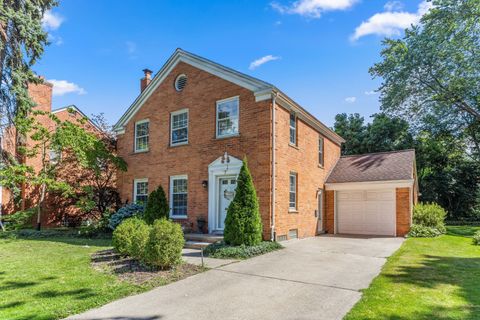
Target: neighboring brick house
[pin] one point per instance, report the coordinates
(28, 197)
(192, 125)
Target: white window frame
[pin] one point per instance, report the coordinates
(290, 208)
(236, 98)
(172, 178)
(136, 137)
(135, 182)
(321, 151)
(294, 128)
(176, 113)
(55, 156)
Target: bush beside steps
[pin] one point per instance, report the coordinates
(221, 250)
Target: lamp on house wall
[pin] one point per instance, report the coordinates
(205, 183)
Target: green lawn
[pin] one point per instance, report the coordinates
(52, 278)
(435, 278)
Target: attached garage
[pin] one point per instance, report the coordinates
(372, 194)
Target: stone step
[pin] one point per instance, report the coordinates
(195, 244)
(199, 237)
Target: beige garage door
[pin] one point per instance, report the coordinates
(370, 212)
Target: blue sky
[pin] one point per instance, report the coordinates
(316, 51)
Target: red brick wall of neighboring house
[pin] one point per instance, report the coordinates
(403, 210)
(330, 211)
(302, 159)
(162, 161)
(41, 94)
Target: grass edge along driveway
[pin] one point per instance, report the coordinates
(427, 278)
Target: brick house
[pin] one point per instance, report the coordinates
(27, 196)
(195, 121)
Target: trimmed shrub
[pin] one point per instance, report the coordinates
(19, 219)
(430, 215)
(123, 213)
(221, 250)
(164, 245)
(419, 231)
(157, 206)
(476, 238)
(243, 225)
(130, 237)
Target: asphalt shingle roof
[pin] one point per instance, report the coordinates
(382, 166)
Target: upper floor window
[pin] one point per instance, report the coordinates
(227, 117)
(293, 192)
(54, 156)
(179, 127)
(141, 135)
(293, 129)
(179, 196)
(321, 154)
(140, 191)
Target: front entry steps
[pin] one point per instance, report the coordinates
(200, 240)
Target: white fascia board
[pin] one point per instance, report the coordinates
(301, 113)
(369, 185)
(218, 70)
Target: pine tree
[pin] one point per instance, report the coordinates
(243, 224)
(157, 206)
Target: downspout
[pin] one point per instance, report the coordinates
(272, 227)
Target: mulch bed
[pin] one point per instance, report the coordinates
(133, 271)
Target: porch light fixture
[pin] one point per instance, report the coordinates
(205, 183)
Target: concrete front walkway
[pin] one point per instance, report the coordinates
(316, 278)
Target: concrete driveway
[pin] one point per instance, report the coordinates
(315, 278)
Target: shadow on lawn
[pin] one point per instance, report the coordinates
(435, 271)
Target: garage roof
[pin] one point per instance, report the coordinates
(381, 166)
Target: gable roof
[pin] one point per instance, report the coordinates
(381, 166)
(74, 107)
(261, 89)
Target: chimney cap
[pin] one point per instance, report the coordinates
(147, 71)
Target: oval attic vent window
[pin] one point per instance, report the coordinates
(180, 82)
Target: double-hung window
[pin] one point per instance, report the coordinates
(179, 196)
(179, 127)
(55, 156)
(141, 135)
(293, 129)
(140, 191)
(293, 192)
(227, 117)
(321, 154)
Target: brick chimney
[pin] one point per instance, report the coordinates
(41, 94)
(145, 81)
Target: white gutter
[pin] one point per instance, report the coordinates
(272, 227)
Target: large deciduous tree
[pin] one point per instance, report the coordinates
(22, 42)
(434, 70)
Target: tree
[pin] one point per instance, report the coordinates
(434, 70)
(352, 129)
(22, 42)
(243, 224)
(157, 206)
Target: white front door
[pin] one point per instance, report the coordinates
(227, 186)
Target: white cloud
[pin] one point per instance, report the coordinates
(51, 20)
(56, 40)
(390, 23)
(370, 93)
(393, 6)
(257, 63)
(62, 87)
(313, 8)
(350, 99)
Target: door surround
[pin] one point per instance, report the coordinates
(225, 165)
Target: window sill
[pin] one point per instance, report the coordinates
(178, 144)
(294, 146)
(321, 167)
(229, 136)
(179, 217)
(140, 151)
(292, 211)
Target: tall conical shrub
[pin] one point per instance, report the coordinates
(157, 206)
(243, 224)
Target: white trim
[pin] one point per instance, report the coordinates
(172, 178)
(216, 170)
(294, 143)
(135, 181)
(369, 185)
(135, 136)
(79, 111)
(293, 209)
(235, 98)
(175, 113)
(273, 186)
(176, 81)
